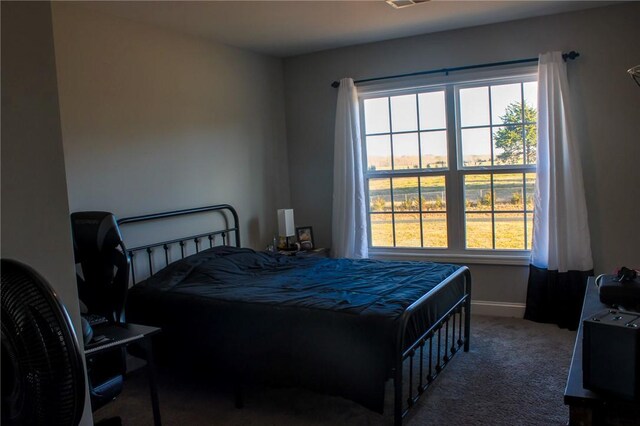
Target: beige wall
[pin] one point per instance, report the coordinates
(154, 120)
(35, 212)
(606, 106)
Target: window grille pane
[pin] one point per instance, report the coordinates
(529, 230)
(405, 194)
(376, 115)
(433, 146)
(433, 112)
(531, 139)
(530, 89)
(433, 194)
(476, 147)
(434, 226)
(379, 152)
(406, 154)
(474, 106)
(379, 195)
(381, 230)
(408, 230)
(477, 192)
(509, 231)
(509, 191)
(530, 187)
(530, 182)
(505, 101)
(508, 146)
(479, 231)
(404, 113)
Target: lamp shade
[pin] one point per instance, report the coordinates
(286, 227)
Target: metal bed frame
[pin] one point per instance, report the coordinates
(431, 351)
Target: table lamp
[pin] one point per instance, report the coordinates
(286, 227)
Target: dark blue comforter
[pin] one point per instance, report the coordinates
(326, 324)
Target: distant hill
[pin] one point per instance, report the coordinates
(407, 162)
(428, 161)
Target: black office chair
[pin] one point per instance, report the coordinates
(102, 287)
(100, 251)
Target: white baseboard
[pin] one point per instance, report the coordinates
(497, 309)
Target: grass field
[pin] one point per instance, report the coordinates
(509, 231)
(500, 214)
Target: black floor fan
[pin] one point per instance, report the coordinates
(43, 381)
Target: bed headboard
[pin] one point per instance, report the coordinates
(186, 245)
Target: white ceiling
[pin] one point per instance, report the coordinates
(288, 28)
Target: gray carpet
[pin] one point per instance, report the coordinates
(514, 375)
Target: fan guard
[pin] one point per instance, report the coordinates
(43, 381)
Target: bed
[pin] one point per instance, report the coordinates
(337, 326)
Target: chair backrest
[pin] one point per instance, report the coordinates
(104, 264)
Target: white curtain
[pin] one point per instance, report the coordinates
(561, 240)
(349, 231)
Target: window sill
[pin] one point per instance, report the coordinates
(515, 259)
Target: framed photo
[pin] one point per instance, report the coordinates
(305, 237)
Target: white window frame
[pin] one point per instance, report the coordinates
(455, 172)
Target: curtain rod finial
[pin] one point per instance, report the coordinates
(335, 84)
(571, 55)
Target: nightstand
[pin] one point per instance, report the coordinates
(120, 335)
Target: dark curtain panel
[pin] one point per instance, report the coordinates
(556, 297)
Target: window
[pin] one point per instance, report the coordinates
(451, 166)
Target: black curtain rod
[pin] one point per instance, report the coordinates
(571, 55)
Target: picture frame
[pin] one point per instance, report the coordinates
(304, 234)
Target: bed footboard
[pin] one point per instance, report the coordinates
(422, 361)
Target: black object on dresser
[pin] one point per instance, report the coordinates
(589, 407)
(620, 291)
(611, 353)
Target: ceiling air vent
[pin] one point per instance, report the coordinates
(399, 4)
